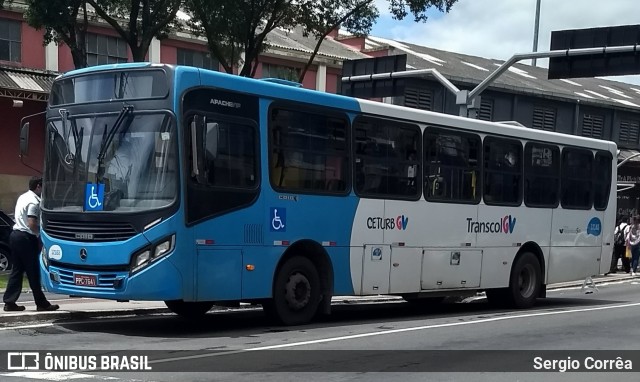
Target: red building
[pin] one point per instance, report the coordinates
(27, 69)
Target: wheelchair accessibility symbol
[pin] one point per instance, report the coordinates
(278, 217)
(94, 197)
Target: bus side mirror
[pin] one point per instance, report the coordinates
(24, 139)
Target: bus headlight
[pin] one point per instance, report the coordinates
(151, 253)
(45, 258)
(164, 247)
(140, 260)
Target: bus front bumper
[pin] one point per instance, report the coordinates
(160, 281)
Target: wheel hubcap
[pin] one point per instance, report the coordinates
(527, 281)
(297, 291)
(4, 263)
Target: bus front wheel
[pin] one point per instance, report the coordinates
(296, 292)
(189, 309)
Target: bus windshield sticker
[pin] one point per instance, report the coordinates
(278, 217)
(594, 227)
(94, 197)
(55, 252)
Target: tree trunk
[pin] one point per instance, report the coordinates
(79, 58)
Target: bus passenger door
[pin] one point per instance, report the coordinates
(219, 274)
(376, 264)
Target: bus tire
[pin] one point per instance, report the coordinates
(296, 292)
(525, 282)
(189, 309)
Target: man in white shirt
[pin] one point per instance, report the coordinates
(25, 248)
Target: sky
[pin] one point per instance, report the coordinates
(501, 28)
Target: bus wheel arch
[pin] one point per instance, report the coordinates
(313, 261)
(526, 279)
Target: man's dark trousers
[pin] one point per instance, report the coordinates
(25, 249)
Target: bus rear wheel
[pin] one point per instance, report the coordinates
(189, 309)
(296, 292)
(525, 282)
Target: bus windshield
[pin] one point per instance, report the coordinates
(135, 159)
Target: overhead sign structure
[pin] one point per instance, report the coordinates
(375, 88)
(606, 63)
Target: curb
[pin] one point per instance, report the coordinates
(62, 314)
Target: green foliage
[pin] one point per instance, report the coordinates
(236, 27)
(138, 21)
(59, 19)
(237, 30)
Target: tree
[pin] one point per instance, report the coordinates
(234, 28)
(59, 19)
(320, 17)
(239, 27)
(138, 21)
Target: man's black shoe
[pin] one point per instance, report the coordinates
(49, 308)
(13, 308)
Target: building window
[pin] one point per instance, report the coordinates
(197, 58)
(592, 125)
(418, 98)
(105, 50)
(486, 109)
(544, 118)
(10, 38)
(629, 131)
(279, 71)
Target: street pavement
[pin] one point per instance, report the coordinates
(77, 307)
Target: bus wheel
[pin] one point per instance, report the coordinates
(189, 309)
(525, 282)
(296, 292)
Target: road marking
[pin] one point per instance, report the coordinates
(27, 326)
(394, 331)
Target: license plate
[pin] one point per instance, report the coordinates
(85, 280)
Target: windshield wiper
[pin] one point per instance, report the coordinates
(107, 138)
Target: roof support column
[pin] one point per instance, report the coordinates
(154, 51)
(321, 78)
(51, 56)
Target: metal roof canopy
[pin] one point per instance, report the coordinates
(470, 100)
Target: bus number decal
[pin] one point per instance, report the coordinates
(594, 227)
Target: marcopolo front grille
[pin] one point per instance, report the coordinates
(89, 231)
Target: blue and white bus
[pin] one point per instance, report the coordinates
(197, 188)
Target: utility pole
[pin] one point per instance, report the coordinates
(536, 27)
